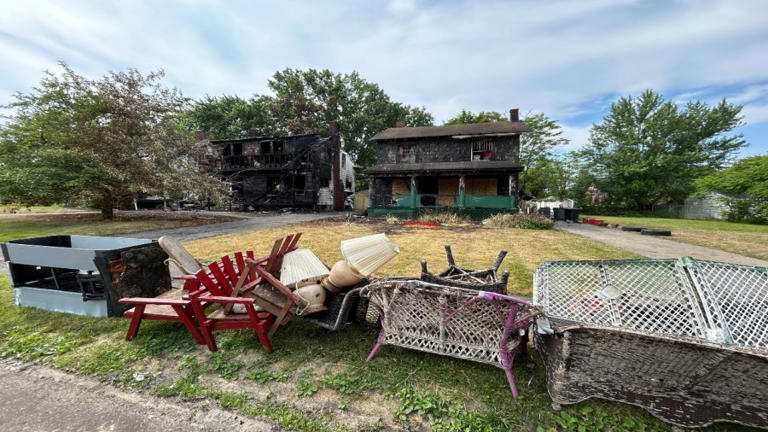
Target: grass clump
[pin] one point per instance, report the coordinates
(519, 220)
(443, 217)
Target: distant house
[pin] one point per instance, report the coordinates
(468, 168)
(277, 171)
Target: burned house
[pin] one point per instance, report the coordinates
(467, 168)
(280, 171)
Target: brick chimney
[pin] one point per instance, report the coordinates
(514, 114)
(200, 136)
(400, 124)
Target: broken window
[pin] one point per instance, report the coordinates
(266, 147)
(405, 153)
(237, 149)
(299, 182)
(481, 150)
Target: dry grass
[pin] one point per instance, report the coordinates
(19, 227)
(473, 247)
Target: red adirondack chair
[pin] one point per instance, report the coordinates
(223, 283)
(252, 279)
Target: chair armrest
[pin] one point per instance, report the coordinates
(225, 300)
(153, 301)
(491, 295)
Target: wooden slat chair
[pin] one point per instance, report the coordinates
(172, 305)
(256, 284)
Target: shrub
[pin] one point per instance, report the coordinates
(392, 220)
(518, 220)
(443, 217)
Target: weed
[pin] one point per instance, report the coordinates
(229, 370)
(306, 388)
(518, 220)
(346, 384)
(264, 376)
(444, 217)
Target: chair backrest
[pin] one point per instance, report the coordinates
(179, 255)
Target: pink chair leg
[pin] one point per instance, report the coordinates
(380, 340)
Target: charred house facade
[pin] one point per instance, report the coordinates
(279, 172)
(471, 169)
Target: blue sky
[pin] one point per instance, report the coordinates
(569, 59)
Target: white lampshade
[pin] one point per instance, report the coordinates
(367, 254)
(302, 267)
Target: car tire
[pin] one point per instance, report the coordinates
(656, 232)
(632, 228)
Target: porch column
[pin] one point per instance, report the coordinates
(512, 191)
(462, 189)
(370, 191)
(413, 191)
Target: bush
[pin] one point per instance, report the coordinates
(519, 220)
(746, 210)
(443, 217)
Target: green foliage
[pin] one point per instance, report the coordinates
(518, 220)
(545, 173)
(469, 117)
(305, 101)
(745, 184)
(228, 116)
(109, 139)
(586, 419)
(227, 369)
(264, 376)
(307, 388)
(648, 151)
(347, 384)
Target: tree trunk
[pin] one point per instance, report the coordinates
(107, 206)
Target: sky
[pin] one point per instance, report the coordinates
(568, 59)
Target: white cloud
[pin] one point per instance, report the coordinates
(567, 59)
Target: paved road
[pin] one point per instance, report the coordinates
(35, 398)
(248, 223)
(654, 247)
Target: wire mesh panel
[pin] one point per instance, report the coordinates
(735, 299)
(718, 302)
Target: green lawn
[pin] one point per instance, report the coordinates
(317, 380)
(19, 227)
(740, 238)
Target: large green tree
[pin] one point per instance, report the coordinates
(745, 184)
(306, 101)
(466, 116)
(647, 150)
(545, 173)
(105, 139)
(230, 116)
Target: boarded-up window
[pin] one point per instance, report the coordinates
(448, 189)
(401, 186)
(481, 186)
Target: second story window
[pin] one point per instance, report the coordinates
(343, 160)
(481, 150)
(406, 154)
